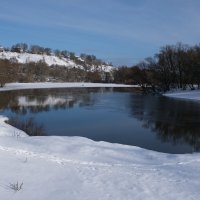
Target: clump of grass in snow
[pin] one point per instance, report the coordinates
(15, 186)
(29, 126)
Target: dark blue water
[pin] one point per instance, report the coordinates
(122, 116)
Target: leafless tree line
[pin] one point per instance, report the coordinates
(175, 66)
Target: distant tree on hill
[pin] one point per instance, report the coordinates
(83, 55)
(72, 56)
(91, 60)
(57, 53)
(48, 51)
(36, 49)
(66, 54)
(20, 46)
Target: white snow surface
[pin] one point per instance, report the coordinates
(7, 130)
(188, 94)
(28, 57)
(49, 60)
(43, 85)
(103, 68)
(76, 168)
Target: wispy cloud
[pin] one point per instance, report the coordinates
(136, 21)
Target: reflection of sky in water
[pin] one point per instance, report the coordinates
(151, 122)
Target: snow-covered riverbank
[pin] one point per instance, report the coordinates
(76, 168)
(189, 94)
(42, 85)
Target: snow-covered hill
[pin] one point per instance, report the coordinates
(49, 60)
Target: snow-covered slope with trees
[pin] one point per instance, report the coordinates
(28, 57)
(50, 60)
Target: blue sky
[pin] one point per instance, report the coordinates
(120, 31)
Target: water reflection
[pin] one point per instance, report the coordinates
(115, 115)
(21, 102)
(174, 121)
(29, 126)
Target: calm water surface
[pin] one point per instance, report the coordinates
(124, 116)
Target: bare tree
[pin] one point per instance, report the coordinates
(8, 72)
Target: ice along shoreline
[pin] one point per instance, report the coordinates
(49, 85)
(188, 94)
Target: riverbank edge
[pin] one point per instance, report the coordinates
(51, 85)
(186, 94)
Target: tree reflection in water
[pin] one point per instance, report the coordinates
(175, 121)
(35, 101)
(21, 102)
(29, 126)
(111, 117)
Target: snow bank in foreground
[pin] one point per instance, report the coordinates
(20, 86)
(7, 130)
(76, 168)
(192, 94)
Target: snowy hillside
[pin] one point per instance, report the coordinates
(49, 60)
